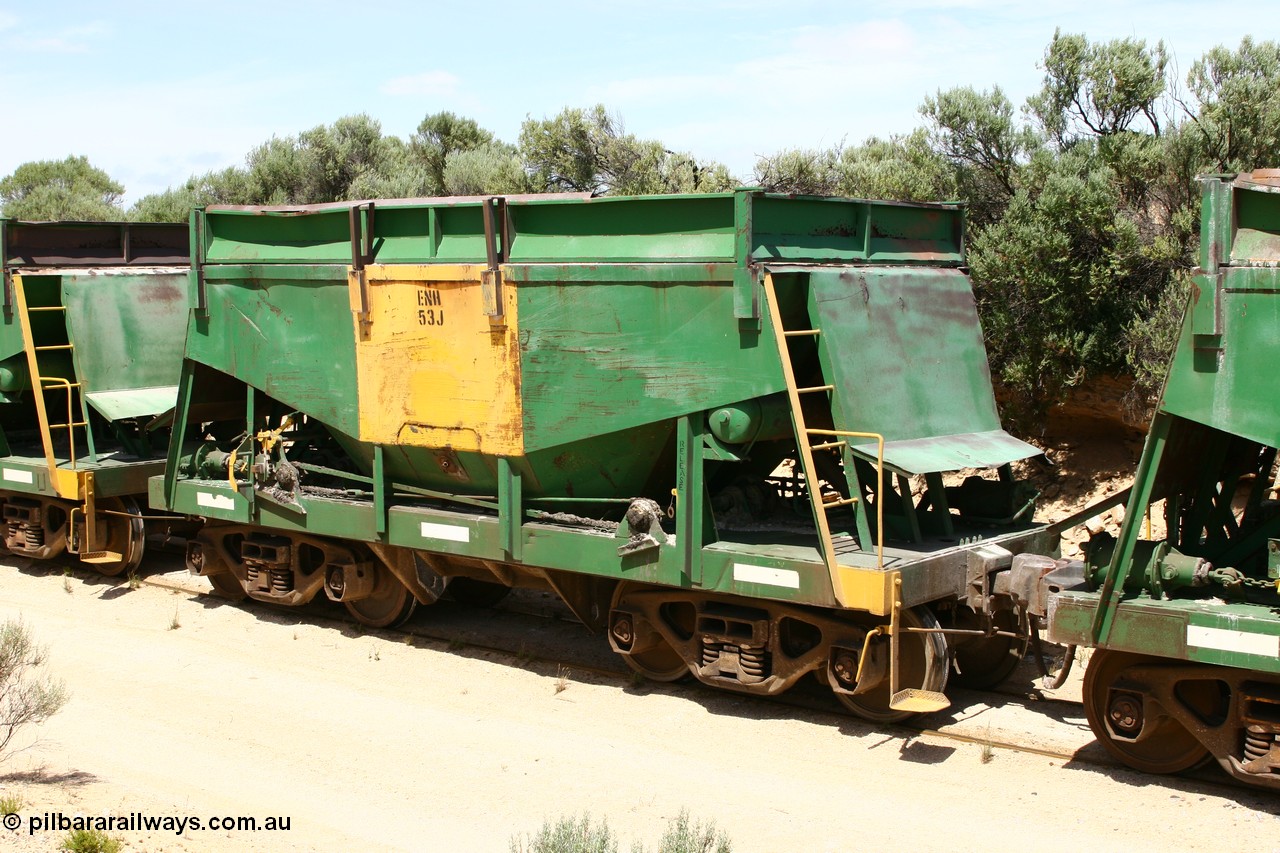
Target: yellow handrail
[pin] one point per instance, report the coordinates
(842, 433)
(53, 383)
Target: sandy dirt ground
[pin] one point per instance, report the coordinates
(380, 741)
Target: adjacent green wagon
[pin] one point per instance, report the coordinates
(1187, 628)
(91, 334)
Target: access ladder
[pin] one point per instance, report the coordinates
(909, 699)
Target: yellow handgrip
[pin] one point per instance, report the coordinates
(268, 438)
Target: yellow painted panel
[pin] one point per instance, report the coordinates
(870, 590)
(68, 484)
(433, 370)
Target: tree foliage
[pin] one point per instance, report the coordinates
(443, 136)
(978, 134)
(900, 168)
(1099, 89)
(60, 189)
(1082, 202)
(588, 150)
(1057, 278)
(1236, 115)
(489, 169)
(228, 186)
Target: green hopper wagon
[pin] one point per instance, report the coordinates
(91, 335)
(1186, 628)
(716, 425)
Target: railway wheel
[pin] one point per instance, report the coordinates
(388, 606)
(659, 661)
(122, 531)
(984, 662)
(923, 664)
(1117, 713)
(475, 593)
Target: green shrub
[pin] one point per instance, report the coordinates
(569, 835)
(26, 695)
(580, 835)
(685, 837)
(90, 841)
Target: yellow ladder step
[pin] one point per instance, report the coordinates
(815, 389)
(100, 557)
(47, 308)
(802, 333)
(828, 445)
(839, 503)
(919, 701)
(72, 424)
(50, 347)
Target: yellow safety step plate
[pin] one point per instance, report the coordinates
(919, 701)
(100, 557)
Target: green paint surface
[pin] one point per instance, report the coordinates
(291, 336)
(609, 355)
(129, 331)
(905, 351)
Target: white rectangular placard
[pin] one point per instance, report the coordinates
(747, 573)
(448, 532)
(1224, 640)
(213, 501)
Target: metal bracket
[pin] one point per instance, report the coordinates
(981, 564)
(746, 294)
(8, 274)
(746, 277)
(494, 211)
(510, 510)
(1206, 311)
(197, 262)
(361, 254)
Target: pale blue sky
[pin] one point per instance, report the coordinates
(156, 91)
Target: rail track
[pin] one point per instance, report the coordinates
(575, 653)
(565, 650)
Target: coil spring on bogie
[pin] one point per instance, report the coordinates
(33, 534)
(710, 652)
(1257, 743)
(753, 661)
(281, 580)
(251, 574)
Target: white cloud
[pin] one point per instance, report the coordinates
(814, 65)
(816, 86)
(75, 39)
(429, 83)
(661, 88)
(53, 45)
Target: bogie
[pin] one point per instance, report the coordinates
(291, 569)
(764, 648)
